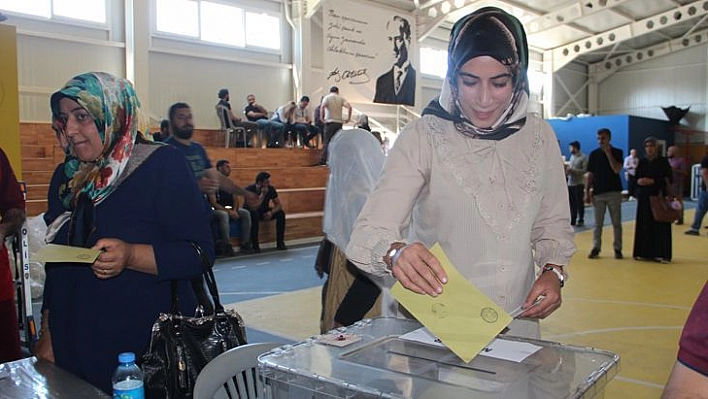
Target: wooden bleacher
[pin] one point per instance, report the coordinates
(301, 187)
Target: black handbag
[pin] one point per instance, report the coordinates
(181, 346)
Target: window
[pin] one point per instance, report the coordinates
(178, 16)
(84, 10)
(218, 23)
(262, 30)
(433, 62)
(222, 24)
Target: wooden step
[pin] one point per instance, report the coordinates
(37, 191)
(37, 176)
(296, 201)
(264, 157)
(297, 226)
(284, 177)
(38, 164)
(37, 134)
(35, 207)
(36, 151)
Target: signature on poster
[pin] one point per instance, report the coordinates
(357, 76)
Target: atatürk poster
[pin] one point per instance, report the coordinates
(370, 53)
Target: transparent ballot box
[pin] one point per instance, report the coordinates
(377, 363)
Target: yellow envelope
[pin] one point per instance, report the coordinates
(462, 317)
(65, 253)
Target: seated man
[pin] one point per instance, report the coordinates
(303, 122)
(262, 210)
(228, 119)
(274, 130)
(285, 115)
(226, 203)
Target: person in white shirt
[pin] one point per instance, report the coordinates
(331, 112)
(630, 167)
(303, 122)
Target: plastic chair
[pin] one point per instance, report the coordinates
(233, 374)
(228, 128)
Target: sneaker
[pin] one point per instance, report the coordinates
(663, 261)
(580, 223)
(692, 232)
(618, 255)
(594, 254)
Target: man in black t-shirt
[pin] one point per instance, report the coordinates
(702, 207)
(603, 188)
(262, 210)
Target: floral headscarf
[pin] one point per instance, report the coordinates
(490, 32)
(112, 103)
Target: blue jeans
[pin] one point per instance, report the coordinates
(701, 210)
(612, 201)
(275, 131)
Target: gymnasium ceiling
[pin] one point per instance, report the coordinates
(605, 35)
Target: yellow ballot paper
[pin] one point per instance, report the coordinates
(462, 317)
(65, 253)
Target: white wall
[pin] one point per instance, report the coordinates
(642, 89)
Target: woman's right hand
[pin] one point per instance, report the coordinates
(43, 348)
(418, 270)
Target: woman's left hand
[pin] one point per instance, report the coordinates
(115, 256)
(548, 285)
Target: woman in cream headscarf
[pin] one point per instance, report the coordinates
(479, 175)
(355, 165)
(113, 201)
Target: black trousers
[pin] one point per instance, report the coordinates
(257, 217)
(577, 206)
(631, 185)
(331, 128)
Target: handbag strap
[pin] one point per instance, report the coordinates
(208, 274)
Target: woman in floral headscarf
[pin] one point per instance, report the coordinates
(481, 176)
(113, 201)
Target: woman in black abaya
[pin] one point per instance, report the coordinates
(652, 239)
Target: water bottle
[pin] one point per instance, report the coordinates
(128, 379)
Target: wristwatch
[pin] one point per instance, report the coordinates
(559, 273)
(393, 254)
